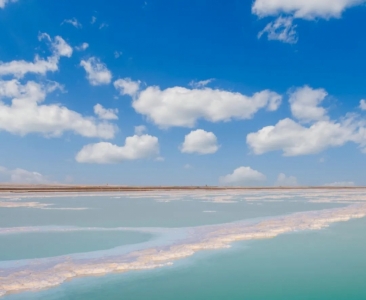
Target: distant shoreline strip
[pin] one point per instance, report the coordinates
(111, 188)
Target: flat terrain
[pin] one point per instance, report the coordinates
(114, 188)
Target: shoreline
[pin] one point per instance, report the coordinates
(38, 276)
(10, 188)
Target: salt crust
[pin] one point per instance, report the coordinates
(40, 274)
(227, 196)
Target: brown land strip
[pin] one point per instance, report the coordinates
(113, 188)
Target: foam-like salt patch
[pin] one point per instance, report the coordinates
(178, 244)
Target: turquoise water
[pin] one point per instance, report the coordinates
(48, 244)
(110, 212)
(328, 264)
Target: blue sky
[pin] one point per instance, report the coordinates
(183, 92)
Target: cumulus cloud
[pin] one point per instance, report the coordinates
(243, 176)
(304, 9)
(105, 114)
(294, 139)
(282, 29)
(96, 71)
(82, 47)
(19, 68)
(127, 86)
(74, 22)
(200, 141)
(183, 107)
(305, 103)
(341, 184)
(360, 135)
(59, 45)
(25, 114)
(140, 130)
(363, 104)
(5, 2)
(22, 176)
(136, 147)
(286, 181)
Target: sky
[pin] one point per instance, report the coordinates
(157, 92)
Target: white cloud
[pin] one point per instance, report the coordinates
(93, 20)
(4, 2)
(363, 104)
(179, 106)
(286, 181)
(97, 72)
(282, 29)
(341, 184)
(82, 47)
(74, 22)
(103, 25)
(304, 9)
(305, 102)
(200, 84)
(242, 176)
(127, 87)
(22, 176)
(294, 139)
(26, 115)
(360, 135)
(19, 68)
(188, 166)
(105, 114)
(136, 147)
(61, 48)
(140, 130)
(200, 141)
(117, 54)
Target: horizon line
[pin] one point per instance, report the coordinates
(12, 187)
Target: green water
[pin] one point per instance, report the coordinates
(319, 265)
(109, 212)
(48, 244)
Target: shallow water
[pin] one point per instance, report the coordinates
(107, 211)
(328, 264)
(46, 244)
(324, 264)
